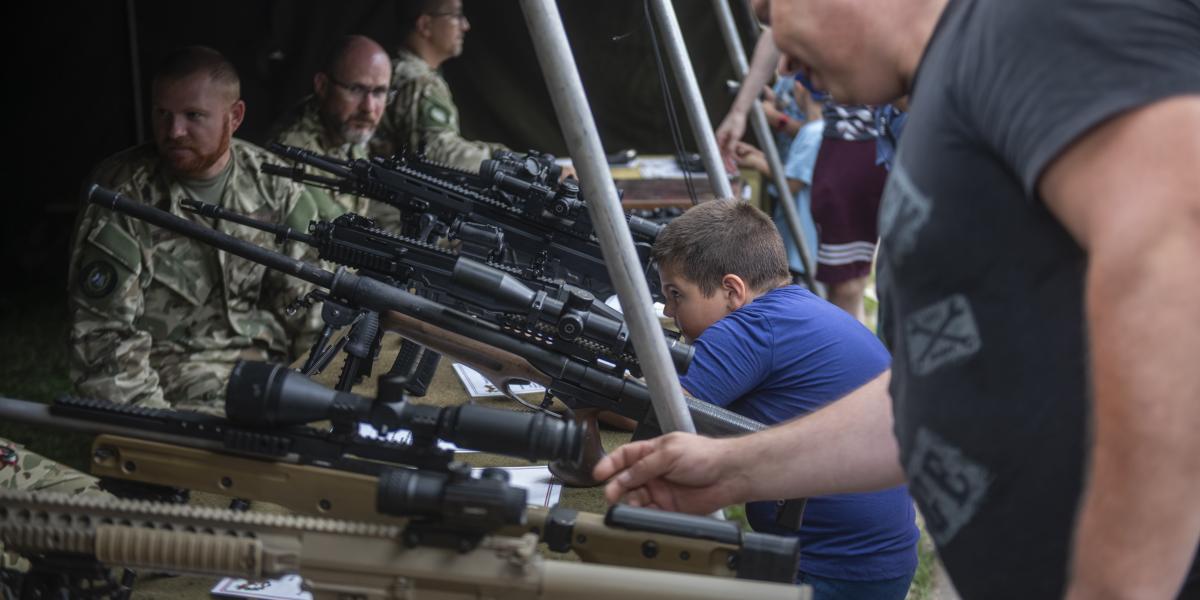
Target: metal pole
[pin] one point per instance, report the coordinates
(685, 78)
(604, 206)
(762, 131)
(135, 68)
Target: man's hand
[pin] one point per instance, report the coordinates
(846, 446)
(1129, 192)
(729, 134)
(679, 472)
(745, 155)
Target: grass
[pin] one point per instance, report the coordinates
(33, 366)
(924, 580)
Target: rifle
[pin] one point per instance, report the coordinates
(551, 237)
(442, 202)
(498, 354)
(560, 316)
(146, 450)
(338, 559)
(265, 442)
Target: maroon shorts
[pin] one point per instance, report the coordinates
(846, 188)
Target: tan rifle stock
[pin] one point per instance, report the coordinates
(324, 492)
(337, 559)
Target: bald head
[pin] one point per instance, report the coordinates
(352, 50)
(353, 88)
(852, 48)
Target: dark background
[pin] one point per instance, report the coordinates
(78, 80)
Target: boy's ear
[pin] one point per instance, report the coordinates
(737, 293)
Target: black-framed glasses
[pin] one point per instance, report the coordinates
(359, 91)
(457, 16)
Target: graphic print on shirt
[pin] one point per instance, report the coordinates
(947, 484)
(940, 334)
(902, 214)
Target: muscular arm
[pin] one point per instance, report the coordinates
(845, 447)
(1129, 191)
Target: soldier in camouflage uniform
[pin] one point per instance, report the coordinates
(423, 115)
(350, 94)
(159, 319)
(21, 469)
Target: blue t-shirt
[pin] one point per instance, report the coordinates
(798, 165)
(784, 355)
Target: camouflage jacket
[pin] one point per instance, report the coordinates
(158, 318)
(423, 115)
(302, 128)
(21, 469)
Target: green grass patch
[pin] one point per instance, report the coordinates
(33, 366)
(924, 580)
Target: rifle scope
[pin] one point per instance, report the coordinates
(533, 167)
(484, 503)
(517, 174)
(270, 395)
(573, 318)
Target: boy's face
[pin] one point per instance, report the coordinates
(692, 311)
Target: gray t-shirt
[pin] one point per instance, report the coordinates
(982, 288)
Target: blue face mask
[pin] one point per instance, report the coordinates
(817, 95)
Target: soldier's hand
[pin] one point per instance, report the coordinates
(678, 472)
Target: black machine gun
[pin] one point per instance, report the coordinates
(547, 232)
(502, 355)
(563, 317)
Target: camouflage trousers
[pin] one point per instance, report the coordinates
(21, 469)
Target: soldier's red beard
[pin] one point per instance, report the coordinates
(195, 162)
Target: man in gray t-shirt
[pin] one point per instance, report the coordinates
(1040, 236)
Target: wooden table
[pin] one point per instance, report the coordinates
(651, 183)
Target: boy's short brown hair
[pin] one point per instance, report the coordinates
(721, 237)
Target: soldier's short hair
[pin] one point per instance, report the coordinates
(190, 60)
(411, 10)
(722, 237)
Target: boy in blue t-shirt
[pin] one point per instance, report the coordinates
(774, 351)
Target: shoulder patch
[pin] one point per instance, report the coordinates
(118, 244)
(433, 114)
(97, 279)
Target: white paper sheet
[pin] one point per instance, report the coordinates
(543, 488)
(284, 588)
(479, 387)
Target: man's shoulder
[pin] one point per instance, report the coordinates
(128, 169)
(249, 176)
(249, 153)
(299, 126)
(409, 68)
